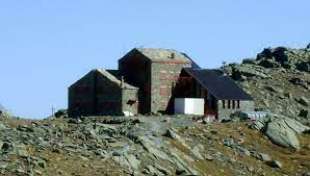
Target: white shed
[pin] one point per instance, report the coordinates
(189, 106)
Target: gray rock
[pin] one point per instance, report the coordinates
(258, 125)
(3, 127)
(229, 142)
(196, 151)
(264, 157)
(150, 146)
(171, 134)
(281, 134)
(303, 66)
(162, 169)
(182, 166)
(248, 61)
(209, 157)
(299, 82)
(21, 150)
(7, 147)
(307, 173)
(304, 113)
(269, 63)
(303, 101)
(243, 151)
(150, 170)
(247, 71)
(296, 126)
(275, 164)
(133, 161)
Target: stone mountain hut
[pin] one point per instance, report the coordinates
(147, 82)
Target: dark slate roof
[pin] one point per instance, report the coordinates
(194, 64)
(220, 86)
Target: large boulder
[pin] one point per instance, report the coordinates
(278, 54)
(283, 135)
(296, 126)
(240, 72)
(303, 66)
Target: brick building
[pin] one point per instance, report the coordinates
(148, 80)
(155, 72)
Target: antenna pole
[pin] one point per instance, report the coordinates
(53, 111)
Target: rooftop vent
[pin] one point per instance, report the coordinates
(172, 55)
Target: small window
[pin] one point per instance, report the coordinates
(238, 104)
(229, 104)
(223, 103)
(131, 102)
(233, 104)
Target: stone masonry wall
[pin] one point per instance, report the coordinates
(136, 70)
(80, 100)
(94, 94)
(130, 100)
(163, 79)
(224, 113)
(109, 97)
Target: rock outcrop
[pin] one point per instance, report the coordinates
(278, 79)
(281, 130)
(280, 133)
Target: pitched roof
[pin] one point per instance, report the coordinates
(115, 73)
(220, 86)
(109, 75)
(159, 54)
(162, 55)
(114, 79)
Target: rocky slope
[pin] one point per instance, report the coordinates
(164, 145)
(278, 79)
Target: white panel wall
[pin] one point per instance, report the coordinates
(189, 106)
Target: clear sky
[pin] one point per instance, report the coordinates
(45, 45)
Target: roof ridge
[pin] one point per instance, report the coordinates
(113, 78)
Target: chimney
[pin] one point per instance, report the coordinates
(122, 82)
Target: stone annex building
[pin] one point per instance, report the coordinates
(147, 82)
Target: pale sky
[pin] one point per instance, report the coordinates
(45, 45)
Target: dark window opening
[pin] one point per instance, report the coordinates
(131, 102)
(228, 104)
(233, 104)
(223, 102)
(238, 104)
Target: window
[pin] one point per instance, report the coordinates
(228, 104)
(233, 104)
(131, 102)
(238, 104)
(223, 103)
